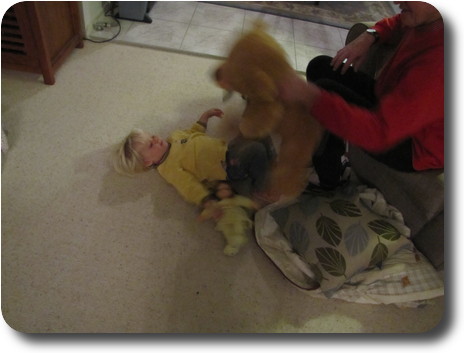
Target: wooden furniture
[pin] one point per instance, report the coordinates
(37, 36)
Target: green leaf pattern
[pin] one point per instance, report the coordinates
(329, 230)
(332, 261)
(281, 215)
(299, 238)
(345, 208)
(379, 254)
(356, 239)
(384, 229)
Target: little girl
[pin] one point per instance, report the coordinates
(230, 213)
(190, 160)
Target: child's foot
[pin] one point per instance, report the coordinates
(235, 244)
(230, 250)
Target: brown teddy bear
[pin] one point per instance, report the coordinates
(253, 68)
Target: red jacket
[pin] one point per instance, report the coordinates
(410, 92)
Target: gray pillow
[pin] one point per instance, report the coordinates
(339, 235)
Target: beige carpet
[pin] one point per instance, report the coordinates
(86, 250)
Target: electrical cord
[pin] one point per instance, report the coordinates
(109, 13)
(110, 39)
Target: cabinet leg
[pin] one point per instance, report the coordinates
(80, 44)
(49, 79)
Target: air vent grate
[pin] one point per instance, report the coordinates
(12, 39)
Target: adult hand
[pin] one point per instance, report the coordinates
(353, 54)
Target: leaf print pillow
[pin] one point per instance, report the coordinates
(339, 236)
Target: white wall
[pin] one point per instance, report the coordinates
(91, 10)
(395, 7)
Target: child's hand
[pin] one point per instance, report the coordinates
(211, 211)
(217, 214)
(210, 113)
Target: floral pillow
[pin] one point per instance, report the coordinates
(338, 234)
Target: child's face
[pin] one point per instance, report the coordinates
(151, 148)
(224, 191)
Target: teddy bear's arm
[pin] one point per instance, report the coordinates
(260, 86)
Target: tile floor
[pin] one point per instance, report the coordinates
(207, 29)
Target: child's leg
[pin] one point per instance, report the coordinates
(235, 236)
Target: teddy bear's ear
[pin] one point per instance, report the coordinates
(262, 86)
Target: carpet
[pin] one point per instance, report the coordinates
(85, 250)
(334, 13)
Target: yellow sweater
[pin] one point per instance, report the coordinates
(194, 158)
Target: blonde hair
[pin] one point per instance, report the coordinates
(127, 160)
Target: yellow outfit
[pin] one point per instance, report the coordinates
(234, 223)
(194, 158)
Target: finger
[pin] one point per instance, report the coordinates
(332, 62)
(335, 66)
(336, 62)
(346, 65)
(216, 112)
(340, 65)
(341, 60)
(340, 56)
(337, 58)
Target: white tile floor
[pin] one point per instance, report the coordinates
(207, 29)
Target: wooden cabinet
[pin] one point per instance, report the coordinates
(37, 36)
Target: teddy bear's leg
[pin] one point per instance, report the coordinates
(259, 119)
(289, 176)
(236, 238)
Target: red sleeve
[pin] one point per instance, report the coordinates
(414, 103)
